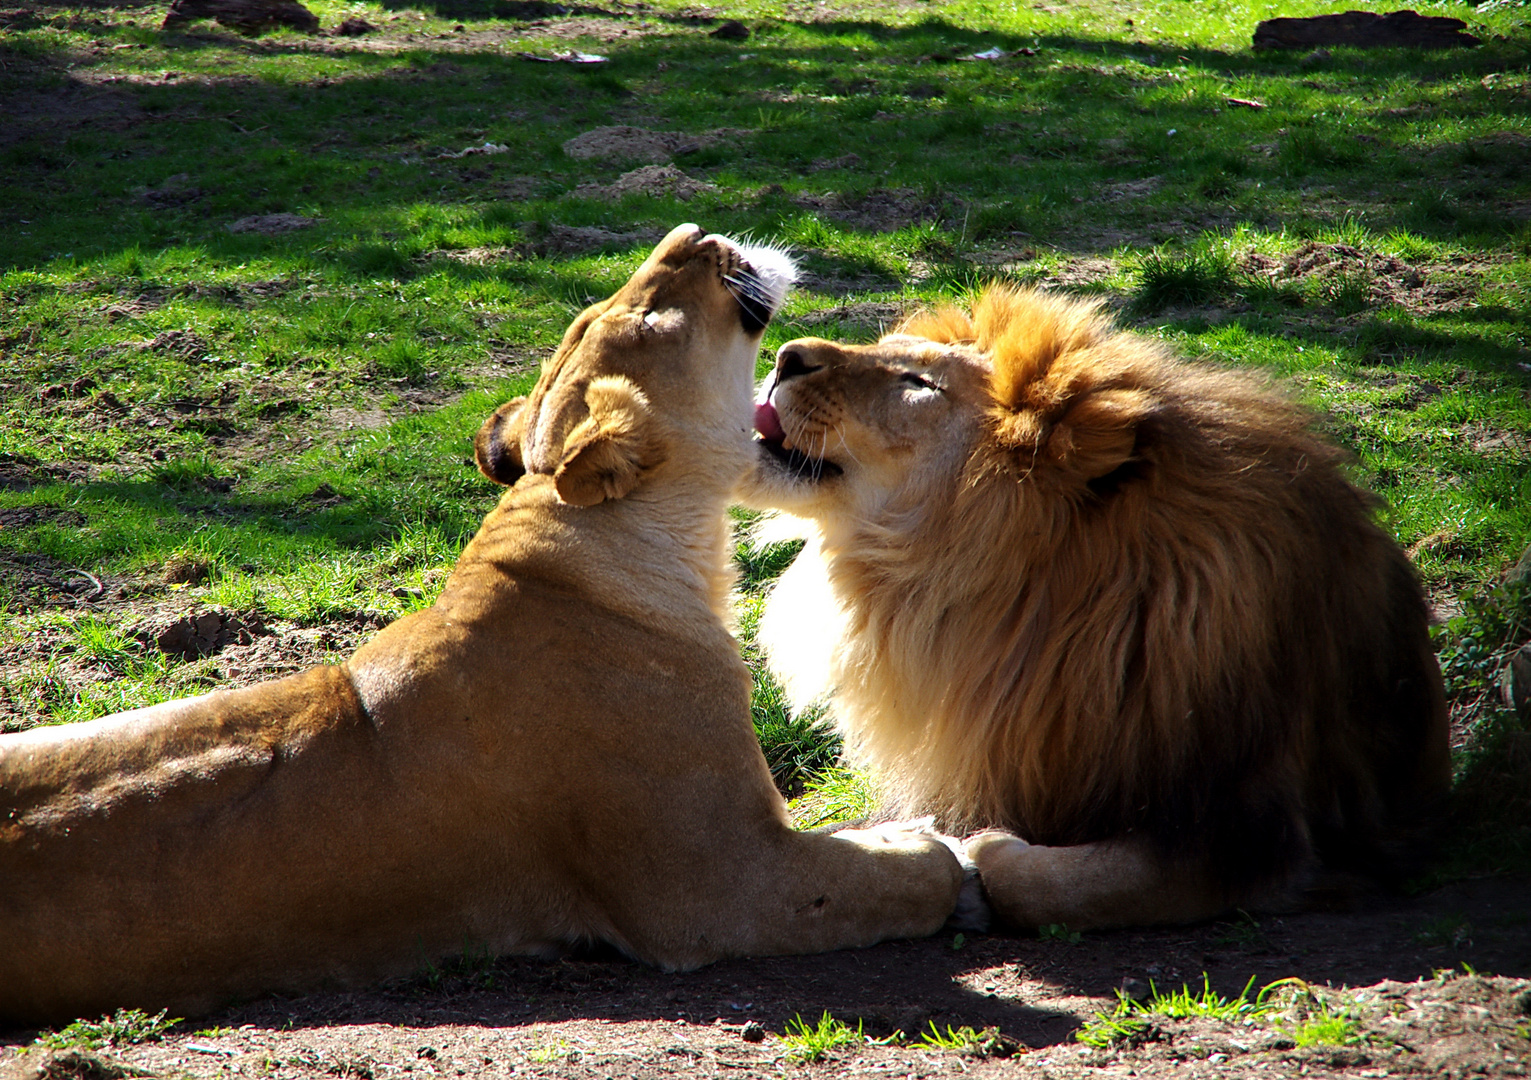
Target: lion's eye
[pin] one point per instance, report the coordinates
(914, 378)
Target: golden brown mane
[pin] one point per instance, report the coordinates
(1147, 603)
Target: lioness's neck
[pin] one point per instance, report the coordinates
(659, 552)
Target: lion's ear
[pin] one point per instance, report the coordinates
(1098, 435)
(1093, 437)
(497, 447)
(606, 454)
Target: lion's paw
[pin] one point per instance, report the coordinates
(989, 844)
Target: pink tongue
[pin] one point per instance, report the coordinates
(768, 423)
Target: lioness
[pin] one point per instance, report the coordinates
(558, 751)
(1126, 607)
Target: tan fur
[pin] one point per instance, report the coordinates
(558, 751)
(1126, 607)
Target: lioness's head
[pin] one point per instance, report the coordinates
(668, 361)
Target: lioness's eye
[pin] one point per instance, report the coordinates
(914, 378)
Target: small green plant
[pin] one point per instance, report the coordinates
(1129, 1023)
(811, 1042)
(971, 1042)
(125, 1027)
(836, 795)
(549, 1052)
(1122, 1026)
(1472, 647)
(1183, 1003)
(1192, 277)
(1327, 1028)
(1060, 933)
(1349, 292)
(1241, 932)
(1449, 931)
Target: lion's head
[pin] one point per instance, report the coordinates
(679, 341)
(1063, 582)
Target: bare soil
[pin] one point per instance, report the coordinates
(1399, 968)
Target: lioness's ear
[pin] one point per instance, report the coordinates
(497, 447)
(606, 454)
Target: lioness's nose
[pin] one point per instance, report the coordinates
(793, 361)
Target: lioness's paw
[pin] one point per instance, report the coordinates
(899, 832)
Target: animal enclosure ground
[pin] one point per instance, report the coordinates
(1412, 1008)
(257, 293)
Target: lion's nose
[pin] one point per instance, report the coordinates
(792, 361)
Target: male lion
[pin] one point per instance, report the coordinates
(558, 751)
(1128, 607)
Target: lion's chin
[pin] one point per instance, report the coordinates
(795, 464)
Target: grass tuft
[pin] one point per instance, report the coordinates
(125, 1027)
(807, 1043)
(1185, 279)
(968, 1041)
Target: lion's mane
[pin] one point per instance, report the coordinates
(1151, 604)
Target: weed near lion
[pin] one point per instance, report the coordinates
(125, 1027)
(806, 1043)
(1131, 1021)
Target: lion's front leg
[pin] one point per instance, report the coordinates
(1088, 886)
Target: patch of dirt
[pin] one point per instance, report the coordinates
(844, 161)
(174, 191)
(226, 649)
(76, 104)
(564, 240)
(626, 143)
(881, 211)
(657, 181)
(604, 1017)
(1374, 277)
(21, 473)
(271, 224)
(863, 319)
(479, 256)
(204, 633)
(1127, 190)
(186, 344)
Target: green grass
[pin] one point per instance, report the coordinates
(294, 412)
(125, 1027)
(968, 1041)
(1131, 1021)
(1288, 1007)
(806, 1043)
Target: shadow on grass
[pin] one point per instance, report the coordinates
(1017, 145)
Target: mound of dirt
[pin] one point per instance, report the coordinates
(868, 319)
(563, 240)
(203, 633)
(186, 344)
(658, 181)
(1384, 279)
(271, 224)
(881, 211)
(624, 143)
